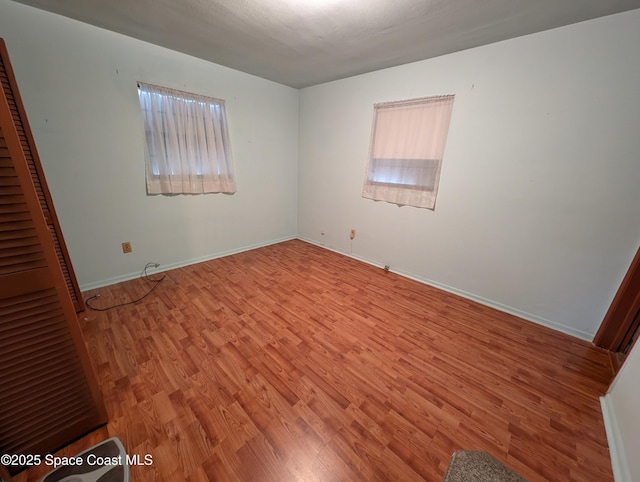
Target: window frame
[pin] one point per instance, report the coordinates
(408, 139)
(187, 142)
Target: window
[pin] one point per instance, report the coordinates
(407, 145)
(187, 147)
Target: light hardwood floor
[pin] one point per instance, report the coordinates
(294, 363)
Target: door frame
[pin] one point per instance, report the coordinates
(620, 321)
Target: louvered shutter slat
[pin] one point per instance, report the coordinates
(48, 393)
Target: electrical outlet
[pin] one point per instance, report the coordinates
(126, 247)
(353, 234)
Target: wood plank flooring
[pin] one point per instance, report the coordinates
(294, 363)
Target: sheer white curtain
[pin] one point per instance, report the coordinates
(187, 142)
(407, 145)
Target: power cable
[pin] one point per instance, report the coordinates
(144, 275)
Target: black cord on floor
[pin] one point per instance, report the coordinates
(144, 275)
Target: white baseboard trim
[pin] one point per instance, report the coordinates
(619, 463)
(470, 296)
(180, 264)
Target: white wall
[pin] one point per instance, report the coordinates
(538, 206)
(622, 419)
(78, 84)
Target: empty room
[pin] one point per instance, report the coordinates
(305, 240)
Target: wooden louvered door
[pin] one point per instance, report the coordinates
(48, 392)
(8, 81)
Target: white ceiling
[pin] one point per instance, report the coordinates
(307, 42)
